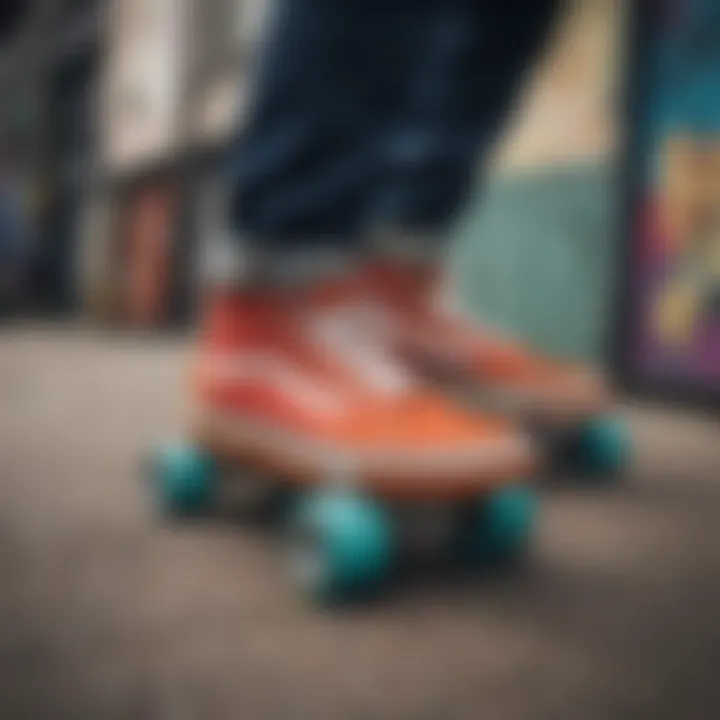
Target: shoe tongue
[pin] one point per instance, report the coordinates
(336, 292)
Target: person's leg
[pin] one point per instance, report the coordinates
(472, 60)
(330, 73)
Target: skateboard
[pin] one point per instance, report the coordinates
(344, 529)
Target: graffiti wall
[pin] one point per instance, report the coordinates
(676, 261)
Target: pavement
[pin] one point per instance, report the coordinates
(105, 612)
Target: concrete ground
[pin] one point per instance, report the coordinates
(107, 613)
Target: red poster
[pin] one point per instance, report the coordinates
(149, 224)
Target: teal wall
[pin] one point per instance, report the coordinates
(537, 256)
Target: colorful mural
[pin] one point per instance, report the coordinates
(678, 251)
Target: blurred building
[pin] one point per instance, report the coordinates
(119, 113)
(170, 100)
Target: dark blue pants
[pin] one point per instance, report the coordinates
(373, 113)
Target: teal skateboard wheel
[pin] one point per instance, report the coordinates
(183, 479)
(602, 447)
(499, 526)
(340, 545)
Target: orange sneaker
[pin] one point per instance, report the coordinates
(563, 400)
(455, 348)
(295, 383)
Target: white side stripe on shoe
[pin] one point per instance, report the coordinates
(267, 368)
